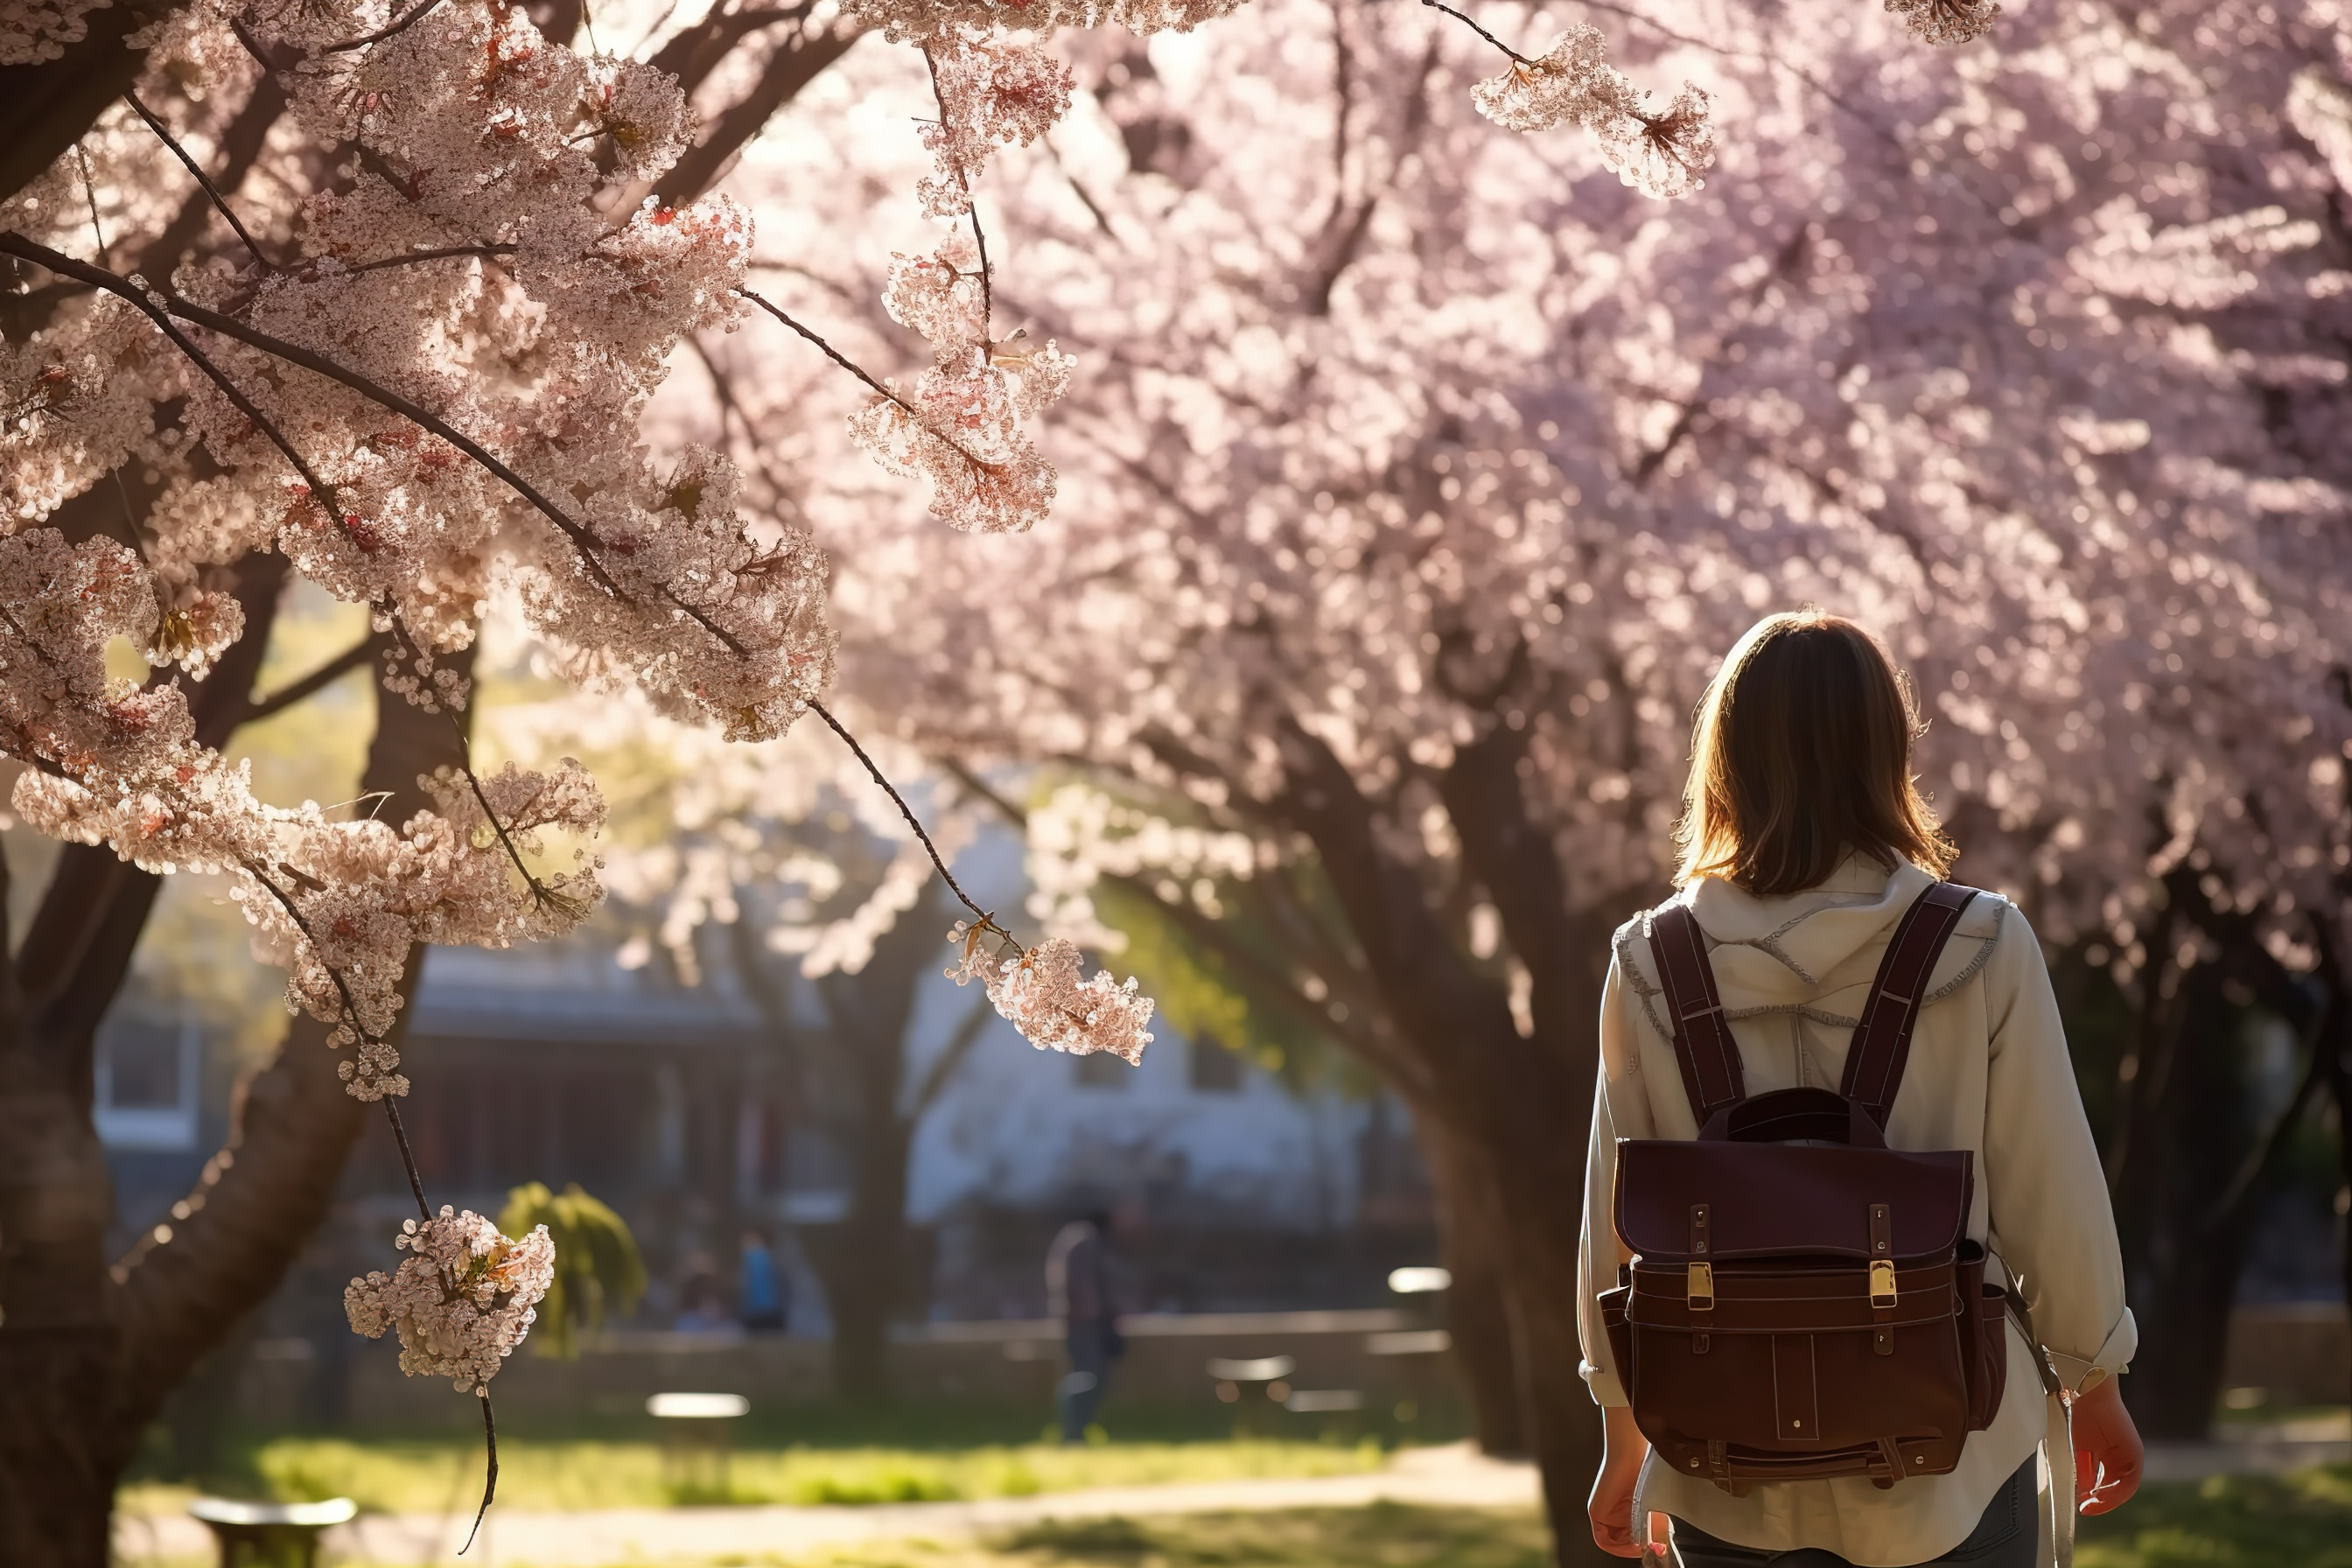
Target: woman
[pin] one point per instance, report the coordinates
(1804, 840)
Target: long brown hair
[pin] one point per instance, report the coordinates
(1801, 755)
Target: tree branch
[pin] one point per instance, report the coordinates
(318, 680)
(46, 108)
(220, 202)
(292, 354)
(854, 368)
(951, 1055)
(240, 148)
(875, 773)
(1517, 58)
(797, 61)
(398, 25)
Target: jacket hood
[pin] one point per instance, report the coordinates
(1815, 952)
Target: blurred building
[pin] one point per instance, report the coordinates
(674, 1104)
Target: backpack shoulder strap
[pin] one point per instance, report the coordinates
(1703, 1047)
(1882, 1040)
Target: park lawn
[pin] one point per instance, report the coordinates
(437, 1475)
(2302, 1520)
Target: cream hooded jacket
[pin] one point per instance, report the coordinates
(1988, 1072)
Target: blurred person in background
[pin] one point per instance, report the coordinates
(760, 1302)
(1085, 1287)
(701, 1305)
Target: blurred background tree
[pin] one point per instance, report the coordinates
(597, 1267)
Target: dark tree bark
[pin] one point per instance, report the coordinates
(1525, 1103)
(89, 1352)
(794, 63)
(2188, 1166)
(1477, 1303)
(848, 1066)
(45, 108)
(2183, 1273)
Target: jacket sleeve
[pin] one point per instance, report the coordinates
(1619, 1110)
(2046, 1191)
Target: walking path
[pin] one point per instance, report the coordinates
(1454, 1476)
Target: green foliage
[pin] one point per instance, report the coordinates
(1203, 994)
(596, 1262)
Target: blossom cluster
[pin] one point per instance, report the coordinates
(496, 334)
(32, 31)
(462, 1303)
(469, 268)
(340, 904)
(1662, 153)
(961, 424)
(991, 93)
(1039, 992)
(1947, 23)
(901, 20)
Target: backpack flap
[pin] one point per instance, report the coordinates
(1779, 1200)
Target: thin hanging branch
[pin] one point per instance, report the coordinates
(319, 679)
(398, 25)
(1440, 5)
(260, 874)
(854, 368)
(490, 1478)
(89, 190)
(220, 202)
(874, 772)
(987, 288)
(409, 258)
(971, 207)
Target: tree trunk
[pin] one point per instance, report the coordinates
(2187, 1135)
(46, 108)
(869, 1013)
(89, 1352)
(1523, 1103)
(1544, 1283)
(1476, 1247)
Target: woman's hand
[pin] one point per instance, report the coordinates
(2108, 1452)
(1611, 1507)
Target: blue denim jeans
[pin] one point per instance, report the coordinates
(2008, 1536)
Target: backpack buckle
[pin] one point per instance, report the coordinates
(1881, 1283)
(1698, 1288)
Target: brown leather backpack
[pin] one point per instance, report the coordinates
(1803, 1301)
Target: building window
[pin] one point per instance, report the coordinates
(1102, 1070)
(147, 1076)
(1215, 1068)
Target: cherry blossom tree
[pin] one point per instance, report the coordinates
(412, 367)
(1412, 478)
(414, 377)
(1416, 481)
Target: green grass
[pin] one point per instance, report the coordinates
(428, 1475)
(2302, 1520)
